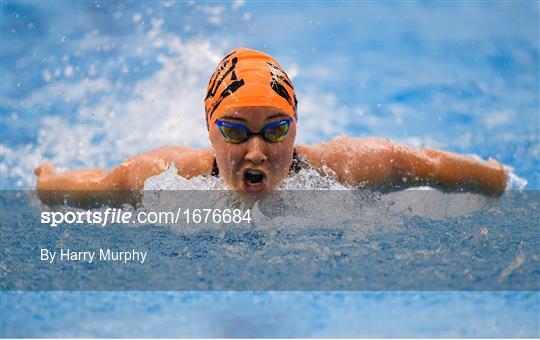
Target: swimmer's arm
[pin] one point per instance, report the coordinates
(381, 164)
(456, 172)
(121, 184)
(79, 187)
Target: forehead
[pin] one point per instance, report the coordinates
(254, 112)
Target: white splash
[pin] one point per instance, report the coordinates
(170, 180)
(305, 179)
(310, 179)
(514, 181)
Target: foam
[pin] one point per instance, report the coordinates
(340, 204)
(514, 182)
(170, 180)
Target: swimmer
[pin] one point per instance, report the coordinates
(252, 118)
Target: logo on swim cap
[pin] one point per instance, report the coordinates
(244, 78)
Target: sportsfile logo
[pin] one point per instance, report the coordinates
(114, 215)
(102, 218)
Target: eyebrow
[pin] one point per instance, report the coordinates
(234, 118)
(277, 115)
(267, 118)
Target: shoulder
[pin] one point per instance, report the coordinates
(189, 162)
(353, 160)
(346, 156)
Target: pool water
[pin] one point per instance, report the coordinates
(271, 314)
(89, 84)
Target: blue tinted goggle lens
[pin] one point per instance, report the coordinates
(236, 133)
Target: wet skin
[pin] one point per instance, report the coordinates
(273, 160)
(357, 162)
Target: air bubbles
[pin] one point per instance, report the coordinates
(136, 17)
(484, 232)
(69, 71)
(92, 70)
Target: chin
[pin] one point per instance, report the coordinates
(251, 196)
(251, 193)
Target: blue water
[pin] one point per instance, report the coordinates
(88, 84)
(272, 314)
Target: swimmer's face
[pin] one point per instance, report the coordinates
(255, 167)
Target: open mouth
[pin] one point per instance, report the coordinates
(253, 180)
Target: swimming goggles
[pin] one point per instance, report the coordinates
(238, 133)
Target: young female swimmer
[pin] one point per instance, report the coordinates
(251, 116)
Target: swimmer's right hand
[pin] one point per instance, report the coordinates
(44, 169)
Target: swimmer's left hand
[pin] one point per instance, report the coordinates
(457, 172)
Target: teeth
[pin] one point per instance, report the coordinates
(254, 176)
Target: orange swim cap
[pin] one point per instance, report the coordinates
(248, 77)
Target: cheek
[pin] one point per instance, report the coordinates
(228, 159)
(282, 157)
(282, 153)
(227, 155)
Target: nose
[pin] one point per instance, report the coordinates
(256, 150)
